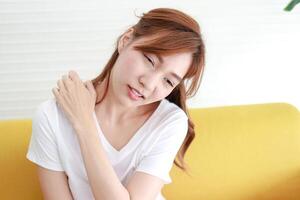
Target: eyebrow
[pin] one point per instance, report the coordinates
(161, 60)
(176, 76)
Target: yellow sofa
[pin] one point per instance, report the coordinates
(241, 152)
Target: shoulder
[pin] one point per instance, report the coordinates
(46, 108)
(169, 130)
(172, 119)
(48, 105)
(171, 112)
(48, 112)
(50, 108)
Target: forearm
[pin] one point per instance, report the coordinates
(102, 177)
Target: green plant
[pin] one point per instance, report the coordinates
(291, 5)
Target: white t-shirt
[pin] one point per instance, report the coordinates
(54, 145)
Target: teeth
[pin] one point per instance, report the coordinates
(136, 92)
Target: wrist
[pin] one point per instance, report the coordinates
(83, 125)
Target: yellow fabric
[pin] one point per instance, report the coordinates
(242, 152)
(239, 153)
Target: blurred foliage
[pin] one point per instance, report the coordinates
(291, 5)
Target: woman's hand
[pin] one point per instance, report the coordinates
(76, 99)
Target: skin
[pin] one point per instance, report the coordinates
(148, 75)
(151, 81)
(77, 100)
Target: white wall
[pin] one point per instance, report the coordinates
(252, 48)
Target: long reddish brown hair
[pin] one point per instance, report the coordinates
(174, 32)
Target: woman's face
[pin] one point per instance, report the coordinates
(154, 79)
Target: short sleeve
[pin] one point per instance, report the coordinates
(42, 148)
(159, 160)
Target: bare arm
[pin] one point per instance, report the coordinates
(99, 170)
(144, 186)
(54, 184)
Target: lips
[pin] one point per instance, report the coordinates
(136, 91)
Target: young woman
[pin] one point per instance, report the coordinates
(117, 136)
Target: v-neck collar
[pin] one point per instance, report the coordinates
(138, 134)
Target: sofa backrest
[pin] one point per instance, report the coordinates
(241, 152)
(18, 177)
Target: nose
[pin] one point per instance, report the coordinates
(149, 81)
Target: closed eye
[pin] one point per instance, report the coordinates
(149, 59)
(169, 82)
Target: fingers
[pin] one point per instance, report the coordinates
(90, 86)
(63, 83)
(85, 83)
(56, 94)
(66, 80)
(74, 76)
(55, 91)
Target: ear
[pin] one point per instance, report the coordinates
(125, 39)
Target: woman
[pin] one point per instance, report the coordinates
(117, 136)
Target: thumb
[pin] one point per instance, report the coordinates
(84, 83)
(90, 86)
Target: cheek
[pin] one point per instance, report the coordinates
(160, 93)
(131, 64)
